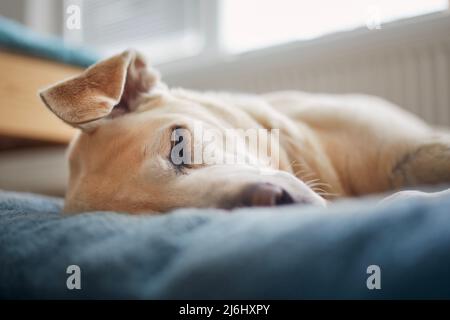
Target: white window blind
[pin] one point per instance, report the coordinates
(163, 29)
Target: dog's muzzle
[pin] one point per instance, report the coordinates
(268, 195)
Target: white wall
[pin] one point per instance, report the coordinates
(407, 62)
(43, 16)
(13, 9)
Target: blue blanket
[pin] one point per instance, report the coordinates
(291, 252)
(16, 37)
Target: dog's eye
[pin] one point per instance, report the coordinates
(179, 150)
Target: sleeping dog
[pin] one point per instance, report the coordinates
(327, 146)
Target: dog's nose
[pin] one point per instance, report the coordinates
(265, 195)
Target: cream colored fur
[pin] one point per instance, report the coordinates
(331, 146)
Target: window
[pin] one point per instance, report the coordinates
(252, 24)
(169, 29)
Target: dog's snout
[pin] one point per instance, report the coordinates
(285, 198)
(265, 195)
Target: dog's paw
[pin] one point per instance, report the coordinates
(429, 164)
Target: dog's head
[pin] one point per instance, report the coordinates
(140, 148)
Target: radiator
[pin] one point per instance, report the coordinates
(406, 62)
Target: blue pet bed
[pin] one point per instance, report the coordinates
(286, 252)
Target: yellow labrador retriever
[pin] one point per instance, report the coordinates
(327, 145)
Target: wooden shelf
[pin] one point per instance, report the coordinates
(22, 114)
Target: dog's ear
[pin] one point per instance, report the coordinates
(108, 88)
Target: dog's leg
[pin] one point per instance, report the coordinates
(427, 164)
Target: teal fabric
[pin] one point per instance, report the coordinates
(17, 38)
(289, 252)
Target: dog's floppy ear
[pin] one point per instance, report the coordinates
(107, 88)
